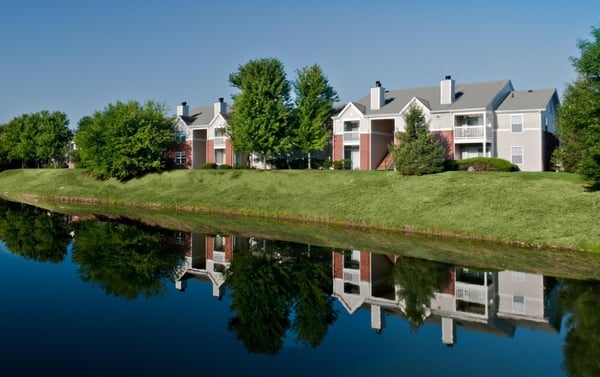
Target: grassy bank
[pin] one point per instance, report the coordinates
(530, 208)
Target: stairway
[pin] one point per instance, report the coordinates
(387, 163)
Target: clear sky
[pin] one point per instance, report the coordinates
(77, 56)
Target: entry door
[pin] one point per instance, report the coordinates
(355, 159)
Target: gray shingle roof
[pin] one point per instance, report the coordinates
(527, 100)
(201, 116)
(468, 96)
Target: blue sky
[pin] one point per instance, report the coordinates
(77, 56)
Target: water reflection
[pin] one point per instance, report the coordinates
(280, 289)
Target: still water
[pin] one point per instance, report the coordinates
(94, 297)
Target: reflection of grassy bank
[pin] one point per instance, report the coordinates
(452, 250)
(530, 208)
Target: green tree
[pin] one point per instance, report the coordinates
(34, 233)
(36, 138)
(261, 299)
(125, 260)
(125, 140)
(261, 110)
(53, 136)
(581, 300)
(578, 125)
(418, 152)
(314, 107)
(418, 280)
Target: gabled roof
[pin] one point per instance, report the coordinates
(202, 116)
(528, 100)
(467, 96)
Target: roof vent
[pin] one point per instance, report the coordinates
(378, 83)
(184, 103)
(221, 99)
(448, 77)
(530, 91)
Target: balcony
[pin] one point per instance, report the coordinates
(220, 141)
(352, 137)
(472, 133)
(478, 294)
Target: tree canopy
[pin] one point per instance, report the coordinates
(261, 110)
(419, 152)
(314, 107)
(579, 115)
(36, 139)
(125, 139)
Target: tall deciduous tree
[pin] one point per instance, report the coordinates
(36, 137)
(419, 152)
(125, 139)
(314, 107)
(579, 114)
(261, 110)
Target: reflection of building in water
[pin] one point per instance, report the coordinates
(206, 259)
(491, 302)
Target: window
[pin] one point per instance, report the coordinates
(516, 123)
(219, 132)
(181, 136)
(518, 304)
(350, 126)
(180, 158)
(516, 155)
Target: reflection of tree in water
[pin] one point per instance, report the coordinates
(418, 280)
(272, 281)
(125, 260)
(34, 233)
(581, 299)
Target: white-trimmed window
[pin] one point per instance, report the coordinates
(181, 136)
(516, 155)
(519, 304)
(516, 123)
(180, 158)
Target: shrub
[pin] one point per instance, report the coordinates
(344, 164)
(486, 163)
(242, 166)
(209, 165)
(225, 166)
(327, 164)
(450, 165)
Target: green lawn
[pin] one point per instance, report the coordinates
(551, 209)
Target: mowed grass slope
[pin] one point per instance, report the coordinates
(533, 208)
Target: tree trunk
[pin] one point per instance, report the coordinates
(309, 160)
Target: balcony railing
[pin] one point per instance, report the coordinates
(220, 141)
(472, 293)
(351, 136)
(472, 132)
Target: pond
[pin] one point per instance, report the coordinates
(95, 296)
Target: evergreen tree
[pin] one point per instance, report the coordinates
(579, 114)
(418, 152)
(314, 107)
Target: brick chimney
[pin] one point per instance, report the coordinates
(377, 96)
